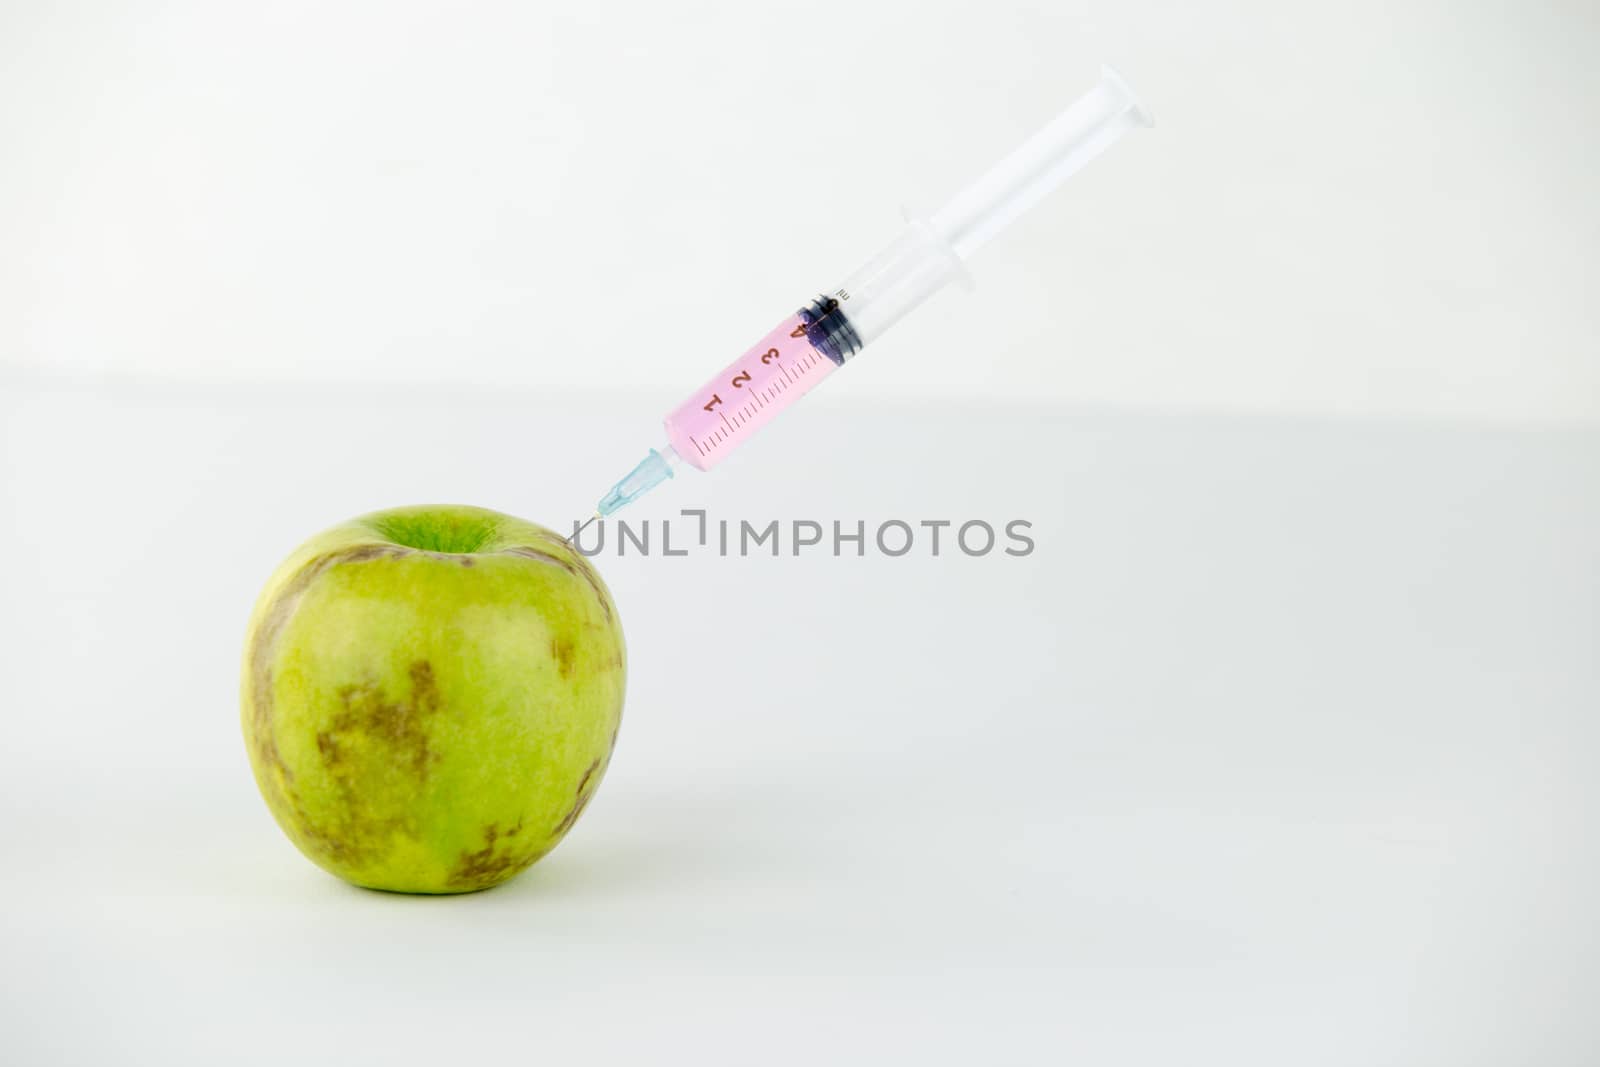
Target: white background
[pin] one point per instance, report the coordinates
(1278, 749)
(1363, 207)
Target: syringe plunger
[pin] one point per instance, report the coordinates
(931, 253)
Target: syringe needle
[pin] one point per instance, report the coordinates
(574, 535)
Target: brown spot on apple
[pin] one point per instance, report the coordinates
(585, 790)
(364, 711)
(277, 618)
(570, 566)
(563, 651)
(488, 866)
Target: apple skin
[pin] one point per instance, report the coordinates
(431, 696)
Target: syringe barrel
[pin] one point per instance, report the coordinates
(776, 371)
(901, 276)
(929, 254)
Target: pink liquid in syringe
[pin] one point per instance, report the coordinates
(780, 369)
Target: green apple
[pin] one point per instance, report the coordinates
(431, 696)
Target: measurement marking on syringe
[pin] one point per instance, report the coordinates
(697, 444)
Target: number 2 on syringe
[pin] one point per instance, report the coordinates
(738, 381)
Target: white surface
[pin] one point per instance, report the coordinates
(1279, 749)
(1356, 207)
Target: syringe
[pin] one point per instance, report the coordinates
(929, 254)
